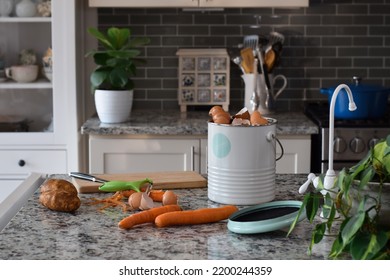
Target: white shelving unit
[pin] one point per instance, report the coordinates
(51, 109)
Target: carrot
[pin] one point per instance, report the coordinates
(127, 193)
(193, 217)
(157, 195)
(147, 216)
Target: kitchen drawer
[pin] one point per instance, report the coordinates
(16, 163)
(121, 155)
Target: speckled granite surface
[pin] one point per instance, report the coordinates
(189, 123)
(38, 233)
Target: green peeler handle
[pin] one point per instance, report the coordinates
(114, 186)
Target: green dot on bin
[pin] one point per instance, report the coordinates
(221, 145)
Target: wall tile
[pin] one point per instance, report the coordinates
(325, 44)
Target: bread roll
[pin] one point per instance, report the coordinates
(59, 195)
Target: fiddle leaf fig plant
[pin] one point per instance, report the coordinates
(353, 212)
(116, 59)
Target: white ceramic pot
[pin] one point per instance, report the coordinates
(6, 7)
(26, 8)
(113, 106)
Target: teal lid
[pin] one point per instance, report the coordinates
(265, 217)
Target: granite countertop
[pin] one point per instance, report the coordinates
(189, 123)
(38, 233)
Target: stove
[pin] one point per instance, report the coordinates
(352, 138)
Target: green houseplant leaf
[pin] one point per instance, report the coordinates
(356, 227)
(116, 58)
(367, 245)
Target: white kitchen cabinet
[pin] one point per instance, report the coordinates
(109, 154)
(198, 3)
(125, 155)
(39, 122)
(19, 163)
(296, 156)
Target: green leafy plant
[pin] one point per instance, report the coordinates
(116, 60)
(352, 213)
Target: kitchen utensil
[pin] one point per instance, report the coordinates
(277, 48)
(254, 101)
(237, 60)
(115, 186)
(87, 177)
(269, 60)
(161, 180)
(269, 102)
(248, 60)
(265, 217)
(251, 41)
(371, 101)
(274, 37)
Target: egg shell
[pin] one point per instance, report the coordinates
(222, 118)
(169, 198)
(215, 110)
(135, 200)
(243, 114)
(257, 119)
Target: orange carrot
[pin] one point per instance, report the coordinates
(127, 193)
(147, 216)
(193, 217)
(157, 195)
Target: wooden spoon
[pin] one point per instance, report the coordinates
(269, 60)
(248, 60)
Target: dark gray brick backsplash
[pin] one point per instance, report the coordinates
(325, 44)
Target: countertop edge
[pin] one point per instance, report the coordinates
(174, 123)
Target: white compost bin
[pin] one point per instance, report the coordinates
(241, 163)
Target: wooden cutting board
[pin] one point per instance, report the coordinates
(161, 180)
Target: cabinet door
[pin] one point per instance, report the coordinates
(108, 155)
(296, 156)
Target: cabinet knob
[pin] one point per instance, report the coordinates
(21, 163)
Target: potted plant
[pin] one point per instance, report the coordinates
(111, 80)
(357, 208)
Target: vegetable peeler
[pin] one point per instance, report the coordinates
(87, 177)
(114, 186)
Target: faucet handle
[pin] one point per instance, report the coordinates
(356, 80)
(310, 178)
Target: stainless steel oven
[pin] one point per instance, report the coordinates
(352, 138)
